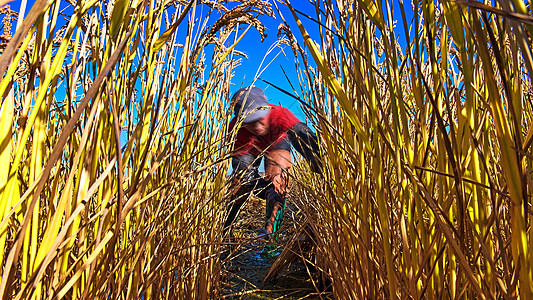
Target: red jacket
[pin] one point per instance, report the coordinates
(281, 120)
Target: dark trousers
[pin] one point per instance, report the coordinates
(246, 170)
(247, 180)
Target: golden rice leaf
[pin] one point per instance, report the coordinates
(37, 10)
(454, 20)
(501, 122)
(119, 11)
(528, 139)
(53, 243)
(373, 12)
(15, 207)
(6, 122)
(8, 78)
(168, 33)
(7, 185)
(521, 16)
(447, 231)
(332, 82)
(7, 280)
(509, 163)
(182, 78)
(55, 69)
(53, 240)
(88, 262)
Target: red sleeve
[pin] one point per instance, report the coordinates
(283, 119)
(232, 124)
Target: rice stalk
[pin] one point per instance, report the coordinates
(113, 148)
(427, 195)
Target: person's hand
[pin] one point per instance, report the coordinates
(269, 227)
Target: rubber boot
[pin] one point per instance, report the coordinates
(279, 217)
(270, 249)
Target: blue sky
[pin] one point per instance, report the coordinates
(252, 46)
(256, 51)
(270, 64)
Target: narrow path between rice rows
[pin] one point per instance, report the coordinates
(245, 266)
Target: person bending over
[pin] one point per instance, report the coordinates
(267, 130)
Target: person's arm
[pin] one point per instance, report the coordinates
(305, 141)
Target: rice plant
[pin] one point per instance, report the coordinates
(114, 153)
(426, 190)
(113, 156)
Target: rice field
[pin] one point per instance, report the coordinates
(114, 147)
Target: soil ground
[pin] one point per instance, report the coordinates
(246, 266)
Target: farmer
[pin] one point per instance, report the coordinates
(266, 130)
